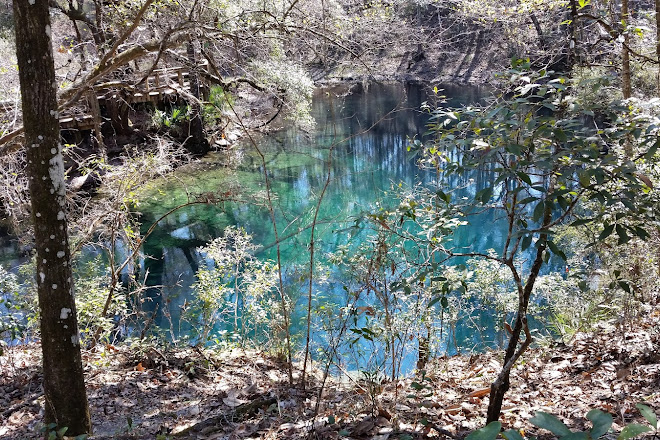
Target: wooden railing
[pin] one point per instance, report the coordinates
(161, 84)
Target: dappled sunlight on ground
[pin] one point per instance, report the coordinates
(193, 393)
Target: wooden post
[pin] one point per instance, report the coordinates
(95, 109)
(157, 83)
(206, 90)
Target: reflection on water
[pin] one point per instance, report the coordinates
(360, 140)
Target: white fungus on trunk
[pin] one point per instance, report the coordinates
(56, 172)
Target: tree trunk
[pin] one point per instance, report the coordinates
(501, 384)
(572, 44)
(64, 386)
(196, 142)
(539, 31)
(118, 112)
(657, 42)
(626, 87)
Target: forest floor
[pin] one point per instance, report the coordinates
(150, 393)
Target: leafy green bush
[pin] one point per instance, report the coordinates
(235, 295)
(19, 311)
(171, 118)
(91, 284)
(220, 102)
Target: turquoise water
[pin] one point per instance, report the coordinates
(359, 148)
(360, 139)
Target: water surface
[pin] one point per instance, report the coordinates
(360, 139)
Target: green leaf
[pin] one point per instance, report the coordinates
(538, 211)
(524, 177)
(444, 302)
(443, 196)
(526, 242)
(641, 232)
(585, 180)
(488, 432)
(623, 236)
(514, 149)
(633, 430)
(561, 136)
(527, 200)
(555, 250)
(512, 434)
(561, 200)
(602, 422)
(651, 151)
(551, 423)
(648, 414)
(576, 436)
(606, 232)
(581, 221)
(625, 286)
(484, 195)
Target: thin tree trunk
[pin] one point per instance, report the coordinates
(539, 31)
(626, 87)
(95, 108)
(501, 384)
(657, 42)
(64, 386)
(572, 45)
(196, 142)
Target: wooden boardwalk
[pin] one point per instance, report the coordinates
(161, 85)
(110, 103)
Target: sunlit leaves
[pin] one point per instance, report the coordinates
(583, 3)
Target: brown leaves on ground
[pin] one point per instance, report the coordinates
(202, 394)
